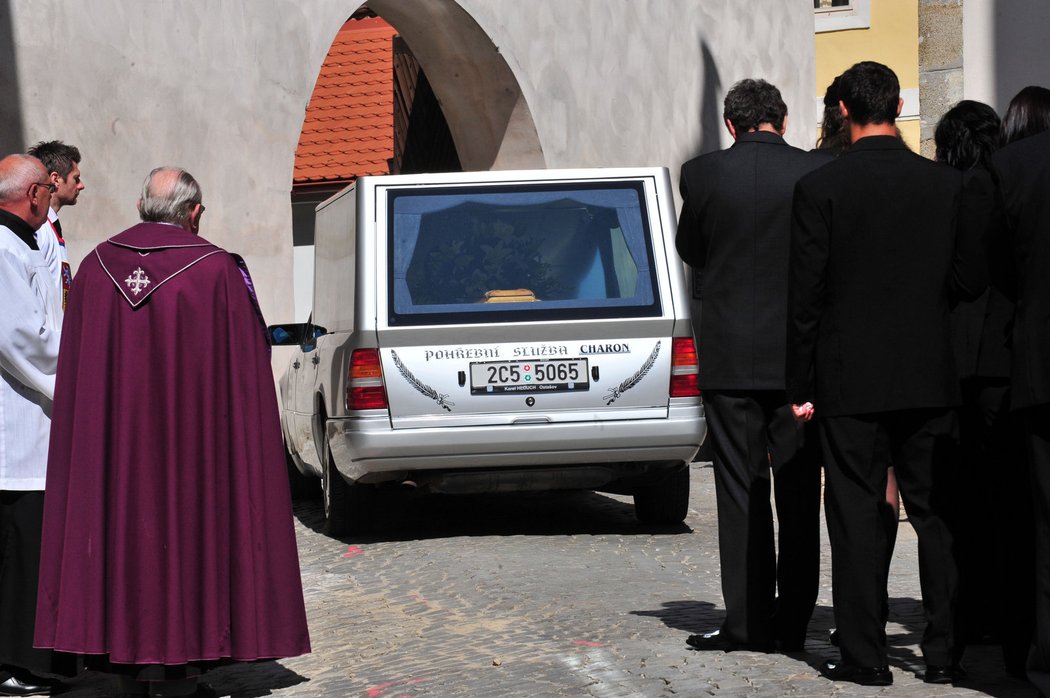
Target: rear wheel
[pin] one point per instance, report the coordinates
(334, 494)
(348, 509)
(665, 501)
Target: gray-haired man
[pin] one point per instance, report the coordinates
(30, 319)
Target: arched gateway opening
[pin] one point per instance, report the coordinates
(408, 86)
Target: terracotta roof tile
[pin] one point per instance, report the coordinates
(348, 130)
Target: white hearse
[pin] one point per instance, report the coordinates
(494, 331)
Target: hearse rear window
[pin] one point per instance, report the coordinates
(527, 253)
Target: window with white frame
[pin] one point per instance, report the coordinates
(838, 15)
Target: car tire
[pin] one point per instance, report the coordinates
(334, 494)
(301, 486)
(348, 509)
(664, 502)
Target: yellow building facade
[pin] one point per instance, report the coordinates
(886, 31)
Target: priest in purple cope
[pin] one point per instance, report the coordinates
(168, 537)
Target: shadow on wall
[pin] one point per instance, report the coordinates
(710, 103)
(11, 136)
(710, 140)
(1022, 54)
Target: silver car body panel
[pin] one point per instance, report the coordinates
(366, 449)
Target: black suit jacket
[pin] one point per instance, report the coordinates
(883, 241)
(1023, 171)
(981, 328)
(735, 227)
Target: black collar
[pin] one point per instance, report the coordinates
(878, 143)
(760, 137)
(19, 227)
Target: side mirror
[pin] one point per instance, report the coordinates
(310, 336)
(285, 335)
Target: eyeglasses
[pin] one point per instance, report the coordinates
(51, 188)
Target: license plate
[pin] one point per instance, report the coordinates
(529, 376)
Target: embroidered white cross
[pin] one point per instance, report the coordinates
(137, 281)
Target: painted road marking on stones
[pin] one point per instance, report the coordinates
(352, 551)
(381, 688)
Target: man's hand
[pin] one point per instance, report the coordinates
(803, 413)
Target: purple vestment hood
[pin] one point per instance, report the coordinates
(131, 262)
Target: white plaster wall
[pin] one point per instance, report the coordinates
(641, 82)
(978, 57)
(220, 87)
(1004, 49)
(214, 86)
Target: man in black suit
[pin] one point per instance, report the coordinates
(880, 248)
(1023, 171)
(735, 228)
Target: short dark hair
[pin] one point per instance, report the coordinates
(1027, 115)
(871, 93)
(750, 103)
(56, 156)
(967, 135)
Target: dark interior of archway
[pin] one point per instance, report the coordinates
(422, 140)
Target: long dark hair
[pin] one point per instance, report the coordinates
(834, 133)
(967, 135)
(1027, 115)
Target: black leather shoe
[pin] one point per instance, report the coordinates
(14, 687)
(863, 675)
(1016, 669)
(711, 640)
(715, 640)
(939, 673)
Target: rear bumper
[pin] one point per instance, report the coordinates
(365, 449)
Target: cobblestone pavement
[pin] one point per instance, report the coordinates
(555, 594)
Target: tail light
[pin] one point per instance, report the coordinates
(364, 386)
(685, 368)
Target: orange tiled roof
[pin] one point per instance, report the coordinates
(349, 126)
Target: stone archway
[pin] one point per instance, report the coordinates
(483, 104)
(479, 97)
